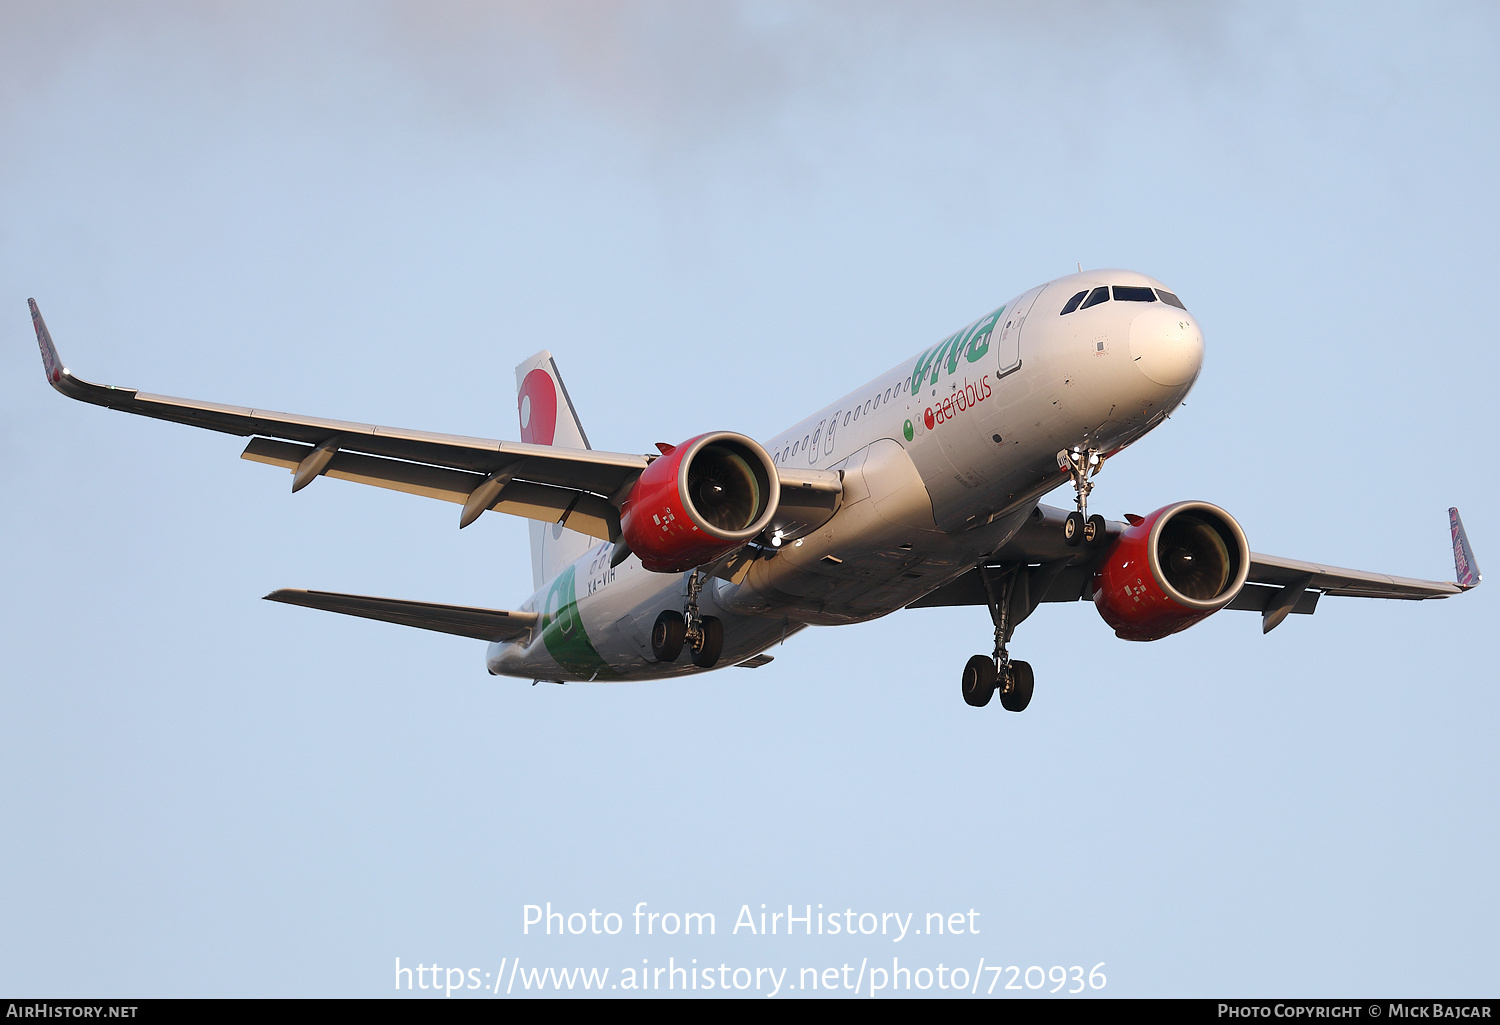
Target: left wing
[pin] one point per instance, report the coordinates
(580, 489)
(1276, 587)
(572, 486)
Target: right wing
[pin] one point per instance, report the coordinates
(1275, 587)
(581, 489)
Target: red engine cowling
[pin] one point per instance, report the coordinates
(700, 501)
(1174, 568)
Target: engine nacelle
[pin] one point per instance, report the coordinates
(700, 501)
(1174, 568)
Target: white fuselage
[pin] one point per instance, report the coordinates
(942, 459)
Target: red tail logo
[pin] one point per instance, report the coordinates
(538, 408)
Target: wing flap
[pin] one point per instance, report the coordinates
(827, 482)
(809, 498)
(1349, 583)
(578, 469)
(577, 510)
(1260, 597)
(461, 620)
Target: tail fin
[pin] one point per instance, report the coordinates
(548, 418)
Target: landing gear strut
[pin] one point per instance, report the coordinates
(986, 675)
(1082, 465)
(702, 635)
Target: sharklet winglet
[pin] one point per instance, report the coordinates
(65, 381)
(1465, 569)
(50, 361)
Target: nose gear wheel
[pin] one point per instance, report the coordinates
(1082, 465)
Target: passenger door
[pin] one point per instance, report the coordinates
(1009, 335)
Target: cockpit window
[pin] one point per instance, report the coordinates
(1073, 303)
(1170, 299)
(1097, 296)
(1133, 294)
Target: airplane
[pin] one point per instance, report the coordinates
(921, 488)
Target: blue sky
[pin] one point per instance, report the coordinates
(720, 216)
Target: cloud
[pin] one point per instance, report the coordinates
(676, 70)
(697, 68)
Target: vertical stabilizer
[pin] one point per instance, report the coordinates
(547, 417)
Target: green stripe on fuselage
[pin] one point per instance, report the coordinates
(563, 633)
(969, 344)
(979, 341)
(919, 370)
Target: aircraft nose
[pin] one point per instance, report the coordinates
(1166, 345)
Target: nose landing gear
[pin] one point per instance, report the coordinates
(1082, 465)
(986, 675)
(702, 635)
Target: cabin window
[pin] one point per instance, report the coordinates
(1073, 303)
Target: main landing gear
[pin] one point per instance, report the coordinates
(703, 636)
(986, 675)
(1080, 527)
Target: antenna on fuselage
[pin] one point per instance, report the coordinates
(1080, 268)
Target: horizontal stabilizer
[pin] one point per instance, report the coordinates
(463, 620)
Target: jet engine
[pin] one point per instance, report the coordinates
(699, 501)
(1172, 569)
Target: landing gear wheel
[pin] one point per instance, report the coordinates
(709, 643)
(667, 635)
(1073, 528)
(1094, 532)
(1015, 692)
(979, 680)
